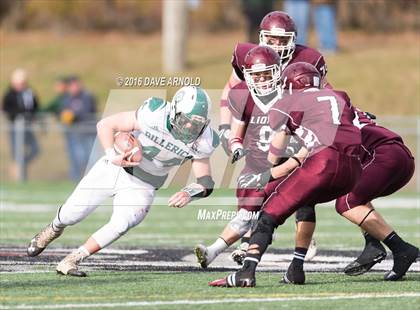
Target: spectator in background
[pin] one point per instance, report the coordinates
(324, 18)
(56, 104)
(78, 116)
(20, 105)
(299, 11)
(255, 10)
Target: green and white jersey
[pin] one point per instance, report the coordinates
(161, 151)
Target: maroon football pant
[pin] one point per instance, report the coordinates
(389, 169)
(324, 176)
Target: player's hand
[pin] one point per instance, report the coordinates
(254, 180)
(179, 200)
(121, 160)
(293, 147)
(224, 132)
(238, 154)
(371, 116)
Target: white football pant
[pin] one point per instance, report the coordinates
(132, 200)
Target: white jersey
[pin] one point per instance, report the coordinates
(161, 151)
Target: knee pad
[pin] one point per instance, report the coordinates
(263, 233)
(305, 214)
(242, 222)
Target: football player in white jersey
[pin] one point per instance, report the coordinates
(169, 133)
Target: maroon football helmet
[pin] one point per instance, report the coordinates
(299, 76)
(278, 31)
(262, 70)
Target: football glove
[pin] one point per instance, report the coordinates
(238, 154)
(370, 115)
(255, 180)
(293, 147)
(224, 132)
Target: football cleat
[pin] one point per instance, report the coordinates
(239, 254)
(69, 264)
(402, 261)
(41, 240)
(373, 253)
(311, 253)
(294, 275)
(237, 279)
(202, 255)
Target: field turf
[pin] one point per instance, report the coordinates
(181, 289)
(122, 281)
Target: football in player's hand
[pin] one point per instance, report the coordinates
(125, 142)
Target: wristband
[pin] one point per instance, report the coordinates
(224, 103)
(194, 190)
(235, 143)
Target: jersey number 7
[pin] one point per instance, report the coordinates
(334, 108)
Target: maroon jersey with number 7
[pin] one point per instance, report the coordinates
(319, 118)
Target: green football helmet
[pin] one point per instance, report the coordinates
(189, 114)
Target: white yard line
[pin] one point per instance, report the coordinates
(213, 301)
(383, 203)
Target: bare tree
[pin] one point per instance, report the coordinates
(174, 35)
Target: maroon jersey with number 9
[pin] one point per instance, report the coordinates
(253, 113)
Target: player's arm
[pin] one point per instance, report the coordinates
(202, 188)
(236, 138)
(108, 126)
(277, 147)
(225, 113)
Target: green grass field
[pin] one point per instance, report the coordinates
(167, 228)
(158, 290)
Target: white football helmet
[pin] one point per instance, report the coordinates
(189, 115)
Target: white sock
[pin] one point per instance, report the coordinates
(216, 248)
(83, 250)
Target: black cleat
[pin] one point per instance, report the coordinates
(237, 279)
(373, 253)
(402, 262)
(73, 273)
(294, 275)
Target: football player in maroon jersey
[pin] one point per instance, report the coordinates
(250, 103)
(325, 168)
(278, 31)
(388, 165)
